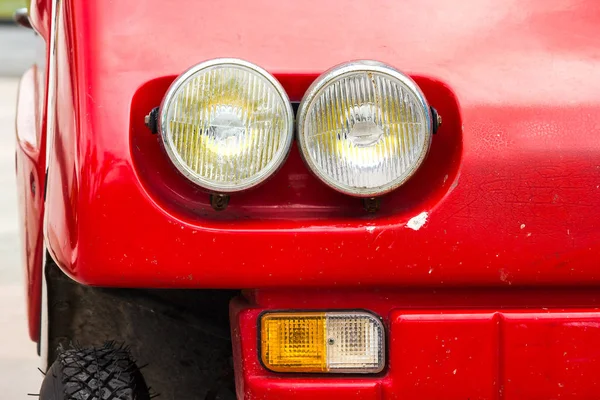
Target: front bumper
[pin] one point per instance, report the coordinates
(434, 353)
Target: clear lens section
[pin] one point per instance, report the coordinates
(227, 125)
(354, 344)
(322, 342)
(364, 132)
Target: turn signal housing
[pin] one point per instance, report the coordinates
(322, 342)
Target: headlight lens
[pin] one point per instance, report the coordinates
(364, 128)
(226, 124)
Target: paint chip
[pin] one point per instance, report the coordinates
(415, 223)
(370, 229)
(522, 226)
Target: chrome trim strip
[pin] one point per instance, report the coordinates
(51, 93)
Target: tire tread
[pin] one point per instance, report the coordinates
(101, 373)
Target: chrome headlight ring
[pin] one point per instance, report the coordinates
(226, 125)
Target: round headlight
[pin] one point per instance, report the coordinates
(226, 124)
(364, 128)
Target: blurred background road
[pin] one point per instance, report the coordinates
(18, 359)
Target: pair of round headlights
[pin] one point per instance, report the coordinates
(363, 127)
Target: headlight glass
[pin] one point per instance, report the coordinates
(226, 124)
(364, 128)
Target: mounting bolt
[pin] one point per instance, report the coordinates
(437, 119)
(371, 204)
(219, 202)
(32, 184)
(151, 120)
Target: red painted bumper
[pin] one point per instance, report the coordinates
(539, 353)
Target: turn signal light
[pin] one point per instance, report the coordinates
(329, 342)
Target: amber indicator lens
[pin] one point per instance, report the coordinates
(331, 342)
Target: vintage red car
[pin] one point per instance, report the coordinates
(313, 199)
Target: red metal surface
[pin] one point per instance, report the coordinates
(523, 210)
(443, 344)
(40, 15)
(30, 188)
(31, 162)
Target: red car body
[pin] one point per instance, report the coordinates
(491, 292)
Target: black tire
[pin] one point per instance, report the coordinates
(101, 373)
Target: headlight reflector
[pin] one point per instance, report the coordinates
(336, 342)
(364, 128)
(226, 125)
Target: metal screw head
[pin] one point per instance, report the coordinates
(151, 120)
(32, 184)
(219, 202)
(437, 119)
(371, 204)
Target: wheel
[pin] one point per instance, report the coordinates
(100, 373)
